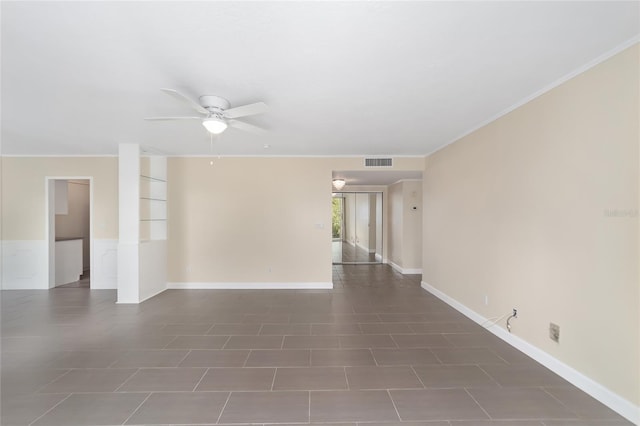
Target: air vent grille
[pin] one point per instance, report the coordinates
(378, 162)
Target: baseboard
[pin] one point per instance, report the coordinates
(250, 286)
(162, 290)
(361, 247)
(405, 270)
(612, 400)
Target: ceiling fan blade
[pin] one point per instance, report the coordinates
(179, 96)
(171, 118)
(241, 125)
(244, 110)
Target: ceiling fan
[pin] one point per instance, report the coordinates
(216, 113)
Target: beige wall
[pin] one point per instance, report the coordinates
(23, 193)
(412, 225)
(521, 211)
(249, 220)
(395, 223)
(405, 224)
(76, 223)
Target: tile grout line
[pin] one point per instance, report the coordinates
(117, 359)
(54, 380)
(490, 376)
(50, 409)
(170, 342)
(543, 389)
(126, 380)
(137, 408)
(394, 404)
(435, 356)
(344, 369)
(374, 357)
(477, 403)
(273, 380)
(394, 341)
(244, 364)
(226, 342)
(206, 333)
(202, 377)
(223, 407)
(183, 358)
(417, 375)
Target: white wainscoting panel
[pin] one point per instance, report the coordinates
(104, 271)
(25, 265)
(153, 269)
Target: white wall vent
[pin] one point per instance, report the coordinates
(378, 162)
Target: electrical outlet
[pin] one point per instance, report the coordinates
(554, 332)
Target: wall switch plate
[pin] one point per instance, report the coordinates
(554, 332)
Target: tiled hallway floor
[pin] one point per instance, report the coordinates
(377, 350)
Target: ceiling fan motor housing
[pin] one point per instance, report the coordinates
(214, 103)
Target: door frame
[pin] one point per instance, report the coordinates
(379, 259)
(50, 224)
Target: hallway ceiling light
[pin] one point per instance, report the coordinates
(339, 184)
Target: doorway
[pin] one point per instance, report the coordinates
(69, 209)
(357, 227)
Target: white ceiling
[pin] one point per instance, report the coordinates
(341, 78)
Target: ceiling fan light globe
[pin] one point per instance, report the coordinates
(214, 125)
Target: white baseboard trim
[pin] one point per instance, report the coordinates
(612, 400)
(136, 301)
(351, 243)
(250, 286)
(405, 270)
(365, 248)
(162, 290)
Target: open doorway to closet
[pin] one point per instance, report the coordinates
(357, 227)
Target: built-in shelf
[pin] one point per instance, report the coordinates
(154, 179)
(153, 199)
(153, 220)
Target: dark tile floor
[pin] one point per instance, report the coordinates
(376, 350)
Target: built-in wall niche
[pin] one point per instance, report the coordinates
(153, 198)
(142, 223)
